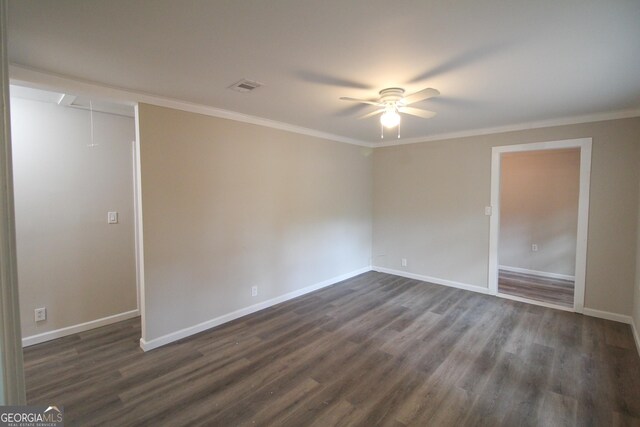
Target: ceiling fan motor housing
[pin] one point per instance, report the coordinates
(391, 96)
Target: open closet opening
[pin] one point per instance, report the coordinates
(73, 171)
(539, 193)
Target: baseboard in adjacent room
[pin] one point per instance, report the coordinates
(437, 281)
(74, 329)
(537, 273)
(200, 327)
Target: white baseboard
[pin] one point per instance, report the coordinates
(437, 281)
(480, 289)
(636, 337)
(535, 302)
(192, 330)
(69, 330)
(616, 318)
(607, 315)
(537, 273)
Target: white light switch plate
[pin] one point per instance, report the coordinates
(487, 210)
(112, 217)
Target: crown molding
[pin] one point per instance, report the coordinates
(598, 117)
(39, 79)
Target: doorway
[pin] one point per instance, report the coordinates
(73, 180)
(539, 199)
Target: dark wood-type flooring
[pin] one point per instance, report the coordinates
(554, 291)
(373, 350)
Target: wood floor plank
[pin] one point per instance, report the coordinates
(373, 350)
(557, 410)
(535, 287)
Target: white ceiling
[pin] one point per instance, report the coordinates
(496, 63)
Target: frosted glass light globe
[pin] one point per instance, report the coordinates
(390, 119)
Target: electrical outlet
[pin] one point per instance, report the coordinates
(404, 262)
(254, 291)
(534, 248)
(40, 314)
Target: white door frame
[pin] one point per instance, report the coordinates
(40, 80)
(12, 388)
(137, 205)
(584, 144)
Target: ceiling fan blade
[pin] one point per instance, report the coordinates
(420, 95)
(425, 114)
(371, 114)
(364, 101)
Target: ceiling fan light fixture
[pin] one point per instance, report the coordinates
(392, 102)
(390, 119)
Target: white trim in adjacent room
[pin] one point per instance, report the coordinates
(192, 330)
(536, 273)
(583, 209)
(70, 330)
(436, 280)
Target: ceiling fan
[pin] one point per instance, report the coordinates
(392, 102)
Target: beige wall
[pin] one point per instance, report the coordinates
(539, 205)
(230, 205)
(69, 259)
(429, 203)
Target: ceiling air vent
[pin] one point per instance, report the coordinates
(245, 85)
